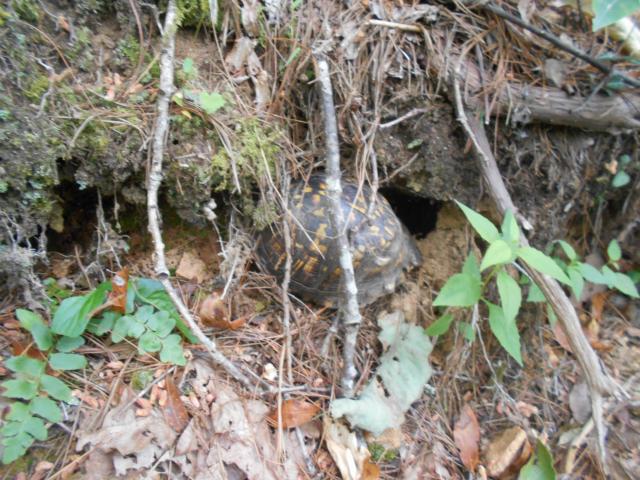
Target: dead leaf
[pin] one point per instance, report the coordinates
(561, 337)
(612, 166)
(370, 471)
(347, 451)
(507, 452)
(390, 439)
(249, 17)
(466, 435)
(118, 294)
(214, 313)
(527, 409)
(238, 55)
(63, 24)
(191, 267)
(174, 411)
(555, 70)
(580, 402)
(294, 413)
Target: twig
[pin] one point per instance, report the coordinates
(349, 308)
(603, 67)
(154, 181)
(598, 381)
(406, 116)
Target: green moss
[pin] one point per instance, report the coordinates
(38, 86)
(193, 13)
(379, 453)
(26, 10)
(3, 16)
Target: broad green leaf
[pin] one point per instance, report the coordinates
(136, 329)
(20, 388)
(398, 382)
(100, 326)
(624, 283)
(610, 11)
(591, 274)
(540, 466)
(19, 412)
(72, 315)
(153, 293)
(471, 267)
(149, 343)
(480, 224)
(144, 313)
(33, 323)
(211, 102)
(441, 325)
(535, 294)
(506, 331)
(172, 351)
(609, 276)
(510, 295)
(461, 290)
(122, 328)
(510, 229)
(187, 66)
(56, 388)
(161, 323)
(21, 437)
(544, 264)
(36, 428)
(14, 451)
(47, 409)
(69, 344)
(30, 367)
(67, 361)
(613, 251)
(568, 250)
(620, 179)
(577, 282)
(10, 429)
(498, 253)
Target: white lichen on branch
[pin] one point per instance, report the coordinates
(349, 308)
(167, 58)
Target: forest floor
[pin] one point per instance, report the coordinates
(78, 108)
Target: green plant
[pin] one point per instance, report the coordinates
(149, 317)
(467, 289)
(607, 12)
(579, 272)
(622, 178)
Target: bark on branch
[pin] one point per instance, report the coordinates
(349, 308)
(598, 381)
(153, 184)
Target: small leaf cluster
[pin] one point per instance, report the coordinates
(466, 289)
(150, 318)
(33, 388)
(622, 177)
(579, 272)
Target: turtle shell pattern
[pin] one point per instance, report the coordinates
(381, 246)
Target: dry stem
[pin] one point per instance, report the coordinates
(154, 181)
(349, 308)
(598, 381)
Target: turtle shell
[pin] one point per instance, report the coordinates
(381, 246)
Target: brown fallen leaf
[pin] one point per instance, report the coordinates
(507, 453)
(466, 435)
(214, 313)
(370, 471)
(349, 454)
(118, 294)
(175, 413)
(294, 413)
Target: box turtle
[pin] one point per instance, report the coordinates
(381, 245)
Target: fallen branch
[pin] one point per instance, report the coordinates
(153, 184)
(349, 309)
(599, 113)
(603, 67)
(598, 381)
